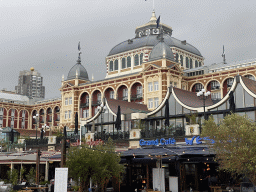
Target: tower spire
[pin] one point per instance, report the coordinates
(223, 55)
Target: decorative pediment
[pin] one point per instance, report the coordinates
(151, 67)
(176, 67)
(66, 85)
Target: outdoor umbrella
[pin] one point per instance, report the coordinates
(118, 118)
(65, 132)
(76, 124)
(232, 105)
(166, 114)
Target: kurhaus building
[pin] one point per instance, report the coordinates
(141, 73)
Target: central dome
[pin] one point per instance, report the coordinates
(82, 73)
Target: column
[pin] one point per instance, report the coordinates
(221, 91)
(90, 105)
(46, 170)
(119, 65)
(30, 120)
(7, 117)
(160, 88)
(45, 116)
(168, 80)
(18, 119)
(129, 94)
(145, 91)
(132, 62)
(52, 117)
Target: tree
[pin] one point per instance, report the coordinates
(31, 175)
(13, 176)
(234, 144)
(100, 164)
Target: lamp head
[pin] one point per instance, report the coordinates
(203, 90)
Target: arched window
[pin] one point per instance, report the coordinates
(250, 77)
(177, 57)
(136, 60)
(181, 60)
(200, 64)
(187, 62)
(128, 61)
(111, 66)
(191, 64)
(141, 58)
(123, 63)
(116, 65)
(196, 64)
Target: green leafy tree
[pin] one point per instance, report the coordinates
(100, 164)
(31, 176)
(13, 176)
(235, 144)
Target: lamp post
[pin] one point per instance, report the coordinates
(36, 119)
(45, 127)
(102, 109)
(203, 95)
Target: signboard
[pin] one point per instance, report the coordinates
(61, 180)
(170, 141)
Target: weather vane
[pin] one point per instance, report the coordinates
(79, 52)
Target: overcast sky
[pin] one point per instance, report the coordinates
(44, 33)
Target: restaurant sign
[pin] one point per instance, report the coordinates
(157, 142)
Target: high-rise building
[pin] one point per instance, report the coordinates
(30, 84)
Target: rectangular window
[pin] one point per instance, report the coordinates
(111, 66)
(156, 102)
(66, 101)
(150, 103)
(69, 114)
(112, 94)
(86, 113)
(66, 114)
(175, 84)
(150, 87)
(1, 109)
(156, 85)
(70, 100)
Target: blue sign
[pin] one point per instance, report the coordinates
(172, 141)
(157, 142)
(198, 140)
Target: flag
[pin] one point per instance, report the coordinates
(157, 22)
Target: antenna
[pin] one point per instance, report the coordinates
(223, 55)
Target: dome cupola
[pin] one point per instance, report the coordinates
(161, 51)
(78, 70)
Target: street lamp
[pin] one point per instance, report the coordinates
(203, 95)
(102, 109)
(36, 119)
(45, 127)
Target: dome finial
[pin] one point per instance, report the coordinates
(79, 53)
(153, 17)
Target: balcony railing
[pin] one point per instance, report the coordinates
(30, 142)
(49, 120)
(116, 136)
(41, 121)
(57, 119)
(160, 133)
(83, 105)
(125, 98)
(136, 96)
(57, 111)
(229, 85)
(96, 103)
